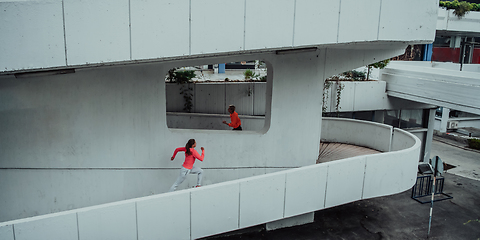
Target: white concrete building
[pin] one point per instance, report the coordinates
(83, 117)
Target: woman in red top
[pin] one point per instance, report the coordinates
(187, 168)
(235, 120)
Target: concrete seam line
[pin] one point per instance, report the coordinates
(13, 231)
(326, 186)
(338, 20)
(379, 18)
(130, 27)
(136, 218)
(293, 31)
(364, 175)
(239, 204)
(190, 194)
(285, 196)
(64, 33)
(78, 226)
(190, 27)
(244, 22)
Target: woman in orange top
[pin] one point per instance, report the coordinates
(235, 120)
(187, 168)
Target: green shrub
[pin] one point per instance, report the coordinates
(249, 74)
(460, 8)
(355, 75)
(474, 143)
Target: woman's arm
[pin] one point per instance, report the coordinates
(197, 156)
(180, 149)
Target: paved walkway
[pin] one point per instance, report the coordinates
(399, 216)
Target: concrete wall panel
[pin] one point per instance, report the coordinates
(223, 198)
(342, 130)
(241, 96)
(447, 21)
(436, 86)
(100, 28)
(316, 15)
(345, 181)
(387, 174)
(274, 29)
(210, 98)
(110, 222)
(359, 23)
(165, 216)
(190, 213)
(423, 28)
(31, 30)
(305, 190)
(175, 100)
(401, 140)
(169, 37)
(61, 227)
(347, 96)
(261, 199)
(370, 96)
(6, 232)
(259, 99)
(219, 28)
(212, 121)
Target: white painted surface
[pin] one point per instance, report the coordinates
(6, 232)
(342, 130)
(31, 31)
(436, 86)
(222, 207)
(212, 121)
(217, 26)
(107, 31)
(423, 28)
(158, 23)
(308, 182)
(109, 222)
(262, 199)
(211, 200)
(249, 98)
(271, 30)
(358, 21)
(345, 181)
(58, 227)
(96, 31)
(164, 216)
(322, 19)
(447, 21)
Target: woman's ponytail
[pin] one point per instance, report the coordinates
(188, 146)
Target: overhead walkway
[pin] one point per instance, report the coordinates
(435, 83)
(227, 206)
(139, 32)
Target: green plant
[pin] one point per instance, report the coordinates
(339, 89)
(379, 65)
(326, 86)
(460, 8)
(249, 75)
(355, 75)
(474, 143)
(183, 78)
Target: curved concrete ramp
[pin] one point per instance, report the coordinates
(331, 151)
(227, 206)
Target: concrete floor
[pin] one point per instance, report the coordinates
(398, 216)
